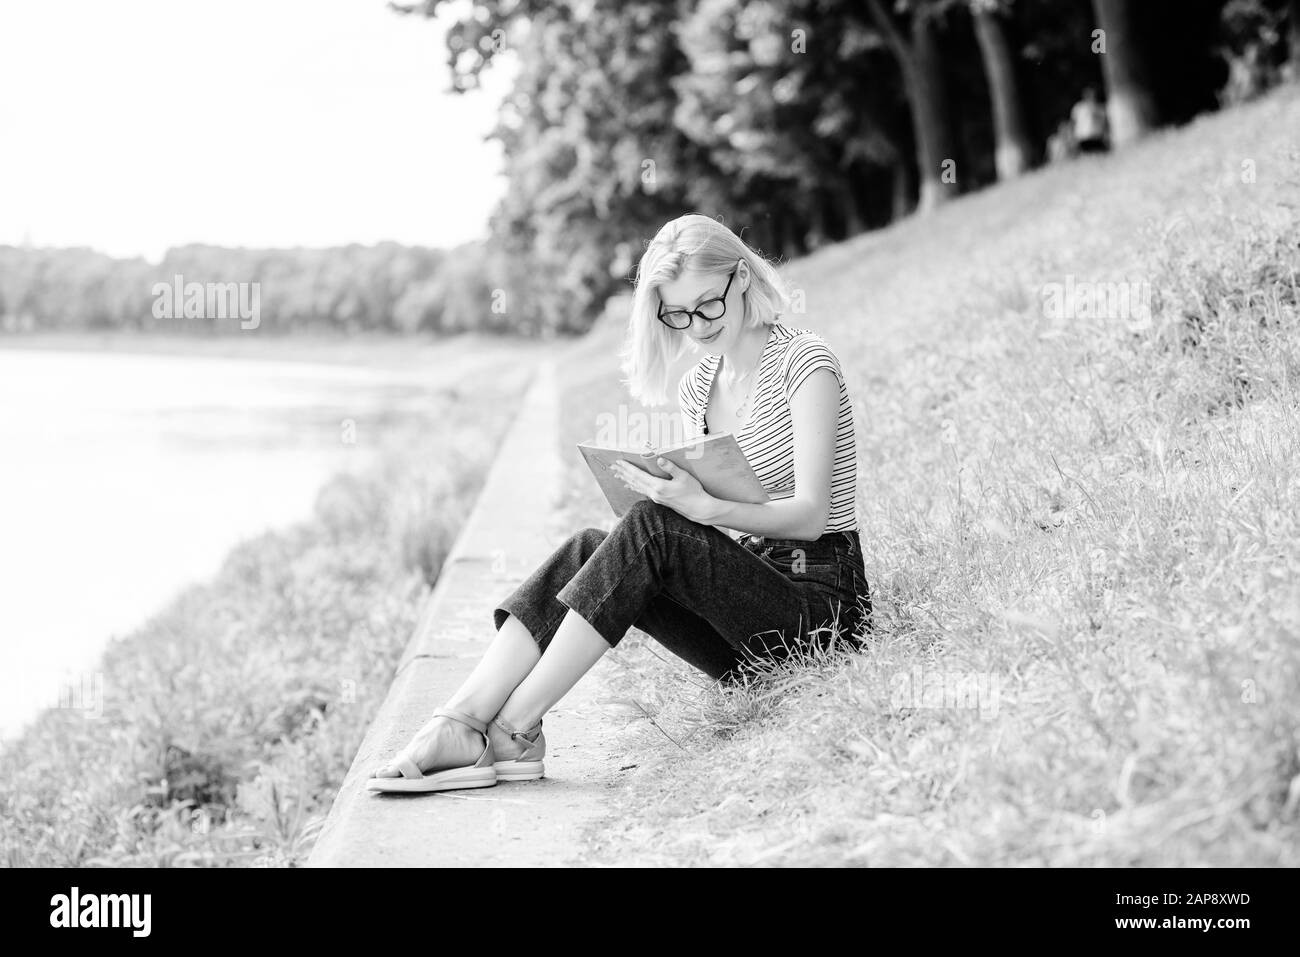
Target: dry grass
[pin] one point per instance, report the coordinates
(1083, 535)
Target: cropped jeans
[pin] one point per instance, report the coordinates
(714, 601)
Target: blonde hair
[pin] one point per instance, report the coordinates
(690, 243)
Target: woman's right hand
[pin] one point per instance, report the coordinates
(681, 491)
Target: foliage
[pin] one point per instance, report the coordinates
(787, 117)
(801, 122)
(349, 289)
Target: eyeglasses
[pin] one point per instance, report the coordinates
(709, 310)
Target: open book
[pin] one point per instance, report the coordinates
(716, 460)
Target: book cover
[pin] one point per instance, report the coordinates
(715, 460)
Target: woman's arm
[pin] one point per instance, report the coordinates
(814, 412)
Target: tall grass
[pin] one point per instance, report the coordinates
(231, 718)
(1094, 520)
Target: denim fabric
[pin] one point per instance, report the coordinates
(712, 600)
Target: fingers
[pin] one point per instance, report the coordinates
(622, 465)
(635, 479)
(621, 474)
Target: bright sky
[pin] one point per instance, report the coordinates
(134, 125)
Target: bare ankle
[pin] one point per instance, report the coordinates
(470, 708)
(513, 724)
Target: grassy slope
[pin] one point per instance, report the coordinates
(1098, 518)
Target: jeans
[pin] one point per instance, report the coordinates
(713, 601)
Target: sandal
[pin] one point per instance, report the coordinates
(480, 774)
(528, 766)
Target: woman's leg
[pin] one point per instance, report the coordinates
(655, 553)
(575, 646)
(570, 654)
(526, 622)
(691, 638)
(444, 743)
(711, 601)
(511, 655)
(583, 599)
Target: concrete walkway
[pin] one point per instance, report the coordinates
(513, 526)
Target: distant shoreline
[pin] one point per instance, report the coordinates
(375, 349)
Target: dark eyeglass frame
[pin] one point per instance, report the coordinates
(690, 314)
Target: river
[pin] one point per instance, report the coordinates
(124, 477)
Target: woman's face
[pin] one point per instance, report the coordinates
(689, 289)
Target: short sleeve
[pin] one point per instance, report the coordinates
(686, 394)
(806, 354)
(688, 400)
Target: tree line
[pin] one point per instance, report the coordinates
(808, 121)
(386, 288)
(799, 122)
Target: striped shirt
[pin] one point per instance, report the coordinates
(767, 436)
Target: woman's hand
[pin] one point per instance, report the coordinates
(681, 491)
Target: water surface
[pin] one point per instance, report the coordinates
(125, 477)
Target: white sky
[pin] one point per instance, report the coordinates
(134, 125)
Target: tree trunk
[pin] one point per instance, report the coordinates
(819, 234)
(765, 236)
(848, 207)
(929, 104)
(901, 194)
(777, 220)
(1013, 153)
(1294, 33)
(1130, 104)
(923, 81)
(796, 236)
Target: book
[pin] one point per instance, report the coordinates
(715, 460)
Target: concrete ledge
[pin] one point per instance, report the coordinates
(527, 823)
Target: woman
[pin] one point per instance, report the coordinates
(667, 567)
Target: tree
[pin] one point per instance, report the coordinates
(1013, 152)
(594, 161)
(918, 60)
(1293, 34)
(1130, 102)
(774, 94)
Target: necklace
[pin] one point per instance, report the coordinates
(742, 410)
(748, 378)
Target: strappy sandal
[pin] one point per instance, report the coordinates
(528, 766)
(480, 774)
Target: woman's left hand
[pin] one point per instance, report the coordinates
(681, 491)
